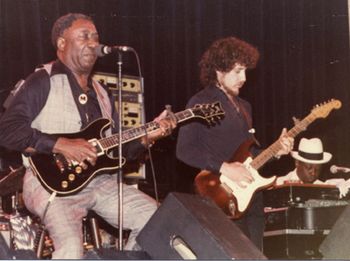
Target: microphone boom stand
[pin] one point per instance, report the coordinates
(120, 170)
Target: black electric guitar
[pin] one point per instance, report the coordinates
(56, 175)
(234, 199)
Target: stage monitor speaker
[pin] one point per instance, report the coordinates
(192, 227)
(336, 244)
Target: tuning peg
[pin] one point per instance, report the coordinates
(295, 120)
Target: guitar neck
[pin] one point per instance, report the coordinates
(135, 133)
(272, 150)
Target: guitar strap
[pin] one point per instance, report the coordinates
(244, 112)
(246, 116)
(105, 105)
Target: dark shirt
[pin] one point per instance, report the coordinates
(16, 132)
(205, 147)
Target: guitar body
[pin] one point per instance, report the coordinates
(56, 175)
(230, 197)
(208, 184)
(72, 178)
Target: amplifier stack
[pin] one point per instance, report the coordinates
(133, 114)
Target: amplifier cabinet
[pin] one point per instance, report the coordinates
(133, 114)
(293, 243)
(132, 100)
(297, 232)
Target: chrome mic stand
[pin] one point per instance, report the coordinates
(120, 153)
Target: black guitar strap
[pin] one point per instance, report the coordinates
(247, 118)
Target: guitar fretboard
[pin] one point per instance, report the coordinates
(135, 133)
(272, 150)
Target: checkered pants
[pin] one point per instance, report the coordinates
(64, 216)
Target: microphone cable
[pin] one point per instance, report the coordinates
(154, 179)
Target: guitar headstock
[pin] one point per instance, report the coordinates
(210, 112)
(322, 110)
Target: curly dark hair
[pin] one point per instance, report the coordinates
(222, 56)
(63, 23)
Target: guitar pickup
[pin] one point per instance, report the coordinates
(98, 146)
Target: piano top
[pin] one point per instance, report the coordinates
(292, 194)
(302, 185)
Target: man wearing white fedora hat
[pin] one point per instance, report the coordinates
(308, 162)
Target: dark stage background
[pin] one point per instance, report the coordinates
(304, 49)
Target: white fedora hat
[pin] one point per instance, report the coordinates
(311, 151)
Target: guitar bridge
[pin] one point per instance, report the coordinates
(232, 207)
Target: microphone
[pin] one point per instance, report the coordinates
(101, 50)
(335, 169)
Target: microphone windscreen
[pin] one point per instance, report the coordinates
(333, 169)
(99, 50)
